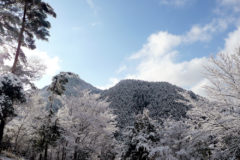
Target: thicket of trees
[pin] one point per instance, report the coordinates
(81, 129)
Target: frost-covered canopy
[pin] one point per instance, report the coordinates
(10, 90)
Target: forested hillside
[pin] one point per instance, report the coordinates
(163, 100)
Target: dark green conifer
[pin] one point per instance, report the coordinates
(21, 23)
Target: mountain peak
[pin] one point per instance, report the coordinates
(162, 99)
(73, 84)
(68, 75)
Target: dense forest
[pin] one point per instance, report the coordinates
(70, 119)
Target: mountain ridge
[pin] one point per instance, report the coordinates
(130, 97)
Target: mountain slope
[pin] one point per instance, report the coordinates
(74, 86)
(130, 97)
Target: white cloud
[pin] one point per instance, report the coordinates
(177, 3)
(161, 51)
(159, 63)
(198, 33)
(232, 42)
(52, 65)
(157, 45)
(204, 33)
(200, 87)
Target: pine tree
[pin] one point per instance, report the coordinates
(23, 21)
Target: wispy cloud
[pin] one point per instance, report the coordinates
(92, 5)
(77, 28)
(234, 5)
(205, 32)
(227, 8)
(94, 24)
(177, 3)
(121, 69)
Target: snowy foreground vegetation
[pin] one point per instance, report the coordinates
(134, 120)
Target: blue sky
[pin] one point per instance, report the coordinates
(156, 40)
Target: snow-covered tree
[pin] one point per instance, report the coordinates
(49, 131)
(46, 134)
(11, 91)
(223, 71)
(141, 141)
(36, 127)
(89, 125)
(31, 71)
(213, 130)
(20, 130)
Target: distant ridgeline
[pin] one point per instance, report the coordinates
(130, 97)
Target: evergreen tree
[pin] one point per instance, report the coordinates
(142, 139)
(11, 90)
(47, 134)
(22, 21)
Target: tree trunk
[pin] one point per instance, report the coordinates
(75, 154)
(58, 152)
(40, 157)
(45, 152)
(32, 157)
(16, 139)
(20, 37)
(63, 153)
(2, 125)
(50, 158)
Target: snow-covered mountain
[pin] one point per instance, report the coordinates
(162, 99)
(130, 97)
(73, 86)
